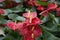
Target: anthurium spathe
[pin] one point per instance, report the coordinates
(30, 32)
(31, 18)
(31, 22)
(30, 29)
(14, 25)
(28, 14)
(34, 33)
(50, 7)
(11, 25)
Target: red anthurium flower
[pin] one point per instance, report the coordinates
(40, 8)
(20, 25)
(11, 25)
(2, 0)
(31, 18)
(29, 33)
(24, 31)
(35, 32)
(1, 11)
(14, 26)
(30, 2)
(33, 21)
(26, 28)
(58, 11)
(31, 30)
(32, 14)
(52, 6)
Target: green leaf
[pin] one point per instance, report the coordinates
(7, 11)
(45, 19)
(48, 36)
(42, 3)
(38, 38)
(1, 17)
(52, 28)
(48, 18)
(12, 16)
(51, 16)
(14, 10)
(32, 9)
(52, 25)
(16, 17)
(3, 21)
(6, 38)
(18, 1)
(13, 35)
(20, 18)
(17, 9)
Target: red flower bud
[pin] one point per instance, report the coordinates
(51, 6)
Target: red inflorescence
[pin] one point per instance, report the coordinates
(50, 7)
(28, 28)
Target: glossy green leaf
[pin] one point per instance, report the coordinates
(12, 35)
(42, 3)
(48, 36)
(17, 9)
(7, 11)
(18, 1)
(16, 17)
